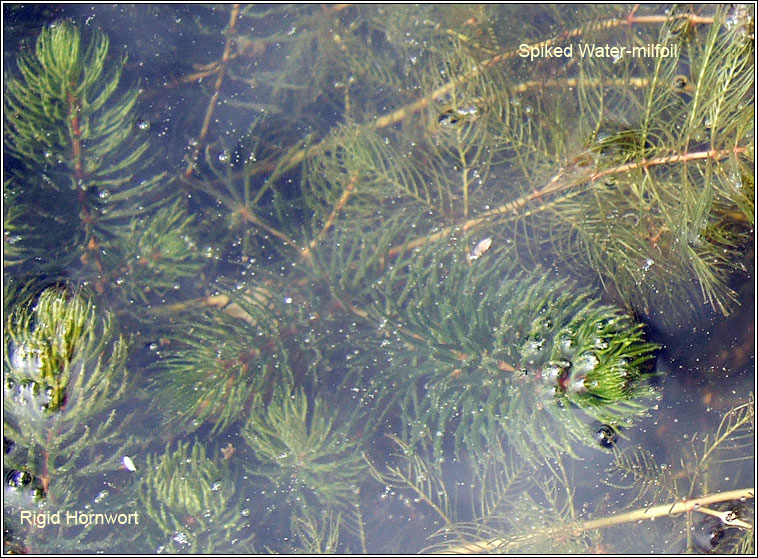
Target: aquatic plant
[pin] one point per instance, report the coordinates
(64, 376)
(191, 498)
(67, 128)
(421, 249)
(536, 363)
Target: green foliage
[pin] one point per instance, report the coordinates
(69, 91)
(731, 442)
(621, 171)
(710, 461)
(404, 230)
(15, 228)
(73, 135)
(192, 500)
(518, 508)
(64, 373)
(522, 353)
(302, 451)
(317, 534)
(159, 252)
(649, 229)
(218, 364)
(45, 339)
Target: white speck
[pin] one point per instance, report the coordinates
(480, 249)
(128, 463)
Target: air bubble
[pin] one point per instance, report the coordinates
(532, 349)
(181, 538)
(601, 343)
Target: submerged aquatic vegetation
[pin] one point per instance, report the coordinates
(537, 361)
(400, 279)
(190, 497)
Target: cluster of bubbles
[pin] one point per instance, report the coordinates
(595, 363)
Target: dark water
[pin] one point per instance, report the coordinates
(705, 367)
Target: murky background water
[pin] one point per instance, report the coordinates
(705, 366)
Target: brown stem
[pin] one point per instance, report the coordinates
(710, 154)
(420, 104)
(665, 510)
(347, 192)
(564, 180)
(216, 89)
(74, 106)
(76, 133)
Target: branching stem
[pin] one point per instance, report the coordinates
(665, 510)
(216, 89)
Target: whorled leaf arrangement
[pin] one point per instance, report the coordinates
(221, 361)
(64, 373)
(69, 129)
(626, 169)
(418, 216)
(302, 450)
(526, 509)
(191, 498)
(523, 355)
(160, 254)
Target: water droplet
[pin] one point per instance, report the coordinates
(223, 156)
(143, 125)
(181, 538)
(601, 343)
(532, 349)
(586, 363)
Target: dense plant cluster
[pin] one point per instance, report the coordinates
(410, 262)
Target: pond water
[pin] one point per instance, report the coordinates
(367, 279)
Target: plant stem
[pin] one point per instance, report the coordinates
(420, 104)
(216, 89)
(665, 510)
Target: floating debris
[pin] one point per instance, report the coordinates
(228, 451)
(480, 249)
(128, 463)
